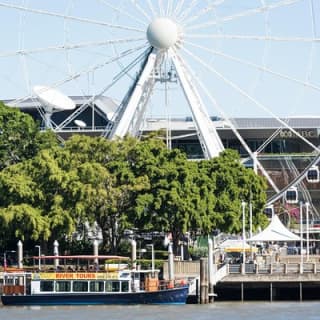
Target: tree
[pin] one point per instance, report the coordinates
(193, 196)
(39, 191)
(109, 185)
(234, 183)
(20, 138)
(124, 184)
(173, 202)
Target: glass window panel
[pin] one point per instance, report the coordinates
(108, 286)
(125, 286)
(115, 286)
(63, 286)
(96, 286)
(46, 286)
(80, 286)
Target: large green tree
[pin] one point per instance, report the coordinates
(108, 184)
(20, 138)
(124, 184)
(193, 196)
(35, 198)
(234, 184)
(177, 199)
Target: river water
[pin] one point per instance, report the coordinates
(217, 311)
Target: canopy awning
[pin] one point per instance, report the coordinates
(275, 231)
(235, 245)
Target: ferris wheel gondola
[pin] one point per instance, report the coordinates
(291, 195)
(313, 174)
(269, 211)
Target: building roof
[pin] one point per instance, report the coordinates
(108, 106)
(260, 123)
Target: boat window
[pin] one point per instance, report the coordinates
(63, 286)
(80, 286)
(136, 276)
(125, 286)
(96, 286)
(115, 286)
(46, 286)
(10, 281)
(125, 275)
(112, 286)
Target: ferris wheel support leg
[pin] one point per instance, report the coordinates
(126, 122)
(48, 123)
(209, 139)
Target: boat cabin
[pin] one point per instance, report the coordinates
(99, 283)
(113, 278)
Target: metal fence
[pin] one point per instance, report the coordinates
(274, 268)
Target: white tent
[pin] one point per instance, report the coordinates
(275, 231)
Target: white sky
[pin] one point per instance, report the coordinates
(281, 44)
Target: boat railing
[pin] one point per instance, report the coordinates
(13, 289)
(163, 285)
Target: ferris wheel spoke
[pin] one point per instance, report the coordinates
(123, 12)
(249, 97)
(186, 12)
(141, 10)
(203, 12)
(151, 8)
(85, 71)
(251, 37)
(179, 7)
(245, 13)
(313, 29)
(70, 46)
(103, 91)
(161, 8)
(72, 18)
(21, 45)
(255, 66)
(169, 7)
(67, 36)
(231, 125)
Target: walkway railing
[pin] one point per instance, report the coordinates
(220, 273)
(273, 268)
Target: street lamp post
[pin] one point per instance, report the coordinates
(307, 230)
(5, 258)
(152, 257)
(250, 230)
(39, 256)
(243, 205)
(301, 237)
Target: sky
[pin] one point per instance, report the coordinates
(249, 58)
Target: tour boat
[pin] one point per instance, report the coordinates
(69, 285)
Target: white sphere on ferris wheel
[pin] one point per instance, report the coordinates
(162, 33)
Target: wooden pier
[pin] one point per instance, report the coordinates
(286, 280)
(269, 282)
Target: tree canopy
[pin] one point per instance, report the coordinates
(20, 138)
(48, 190)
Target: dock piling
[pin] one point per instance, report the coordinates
(204, 297)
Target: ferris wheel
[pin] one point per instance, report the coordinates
(228, 58)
